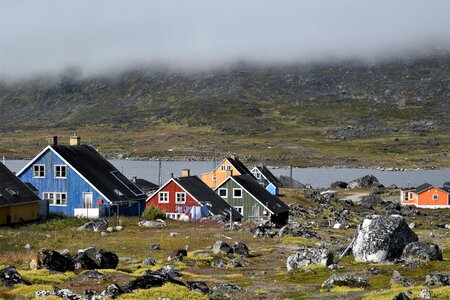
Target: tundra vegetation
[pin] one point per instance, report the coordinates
(317, 221)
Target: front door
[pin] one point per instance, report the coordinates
(87, 200)
(255, 212)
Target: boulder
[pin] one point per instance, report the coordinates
(289, 182)
(92, 274)
(152, 224)
(9, 276)
(82, 261)
(382, 238)
(222, 247)
(149, 280)
(112, 291)
(421, 250)
(150, 261)
(441, 278)
(28, 246)
(339, 184)
(169, 271)
(198, 286)
(370, 201)
(401, 296)
(345, 280)
(94, 225)
(53, 260)
(368, 181)
(154, 246)
(106, 260)
(308, 256)
(425, 294)
(399, 279)
(226, 287)
(241, 249)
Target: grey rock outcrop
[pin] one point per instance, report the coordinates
(222, 247)
(382, 238)
(368, 181)
(399, 279)
(53, 260)
(9, 276)
(345, 280)
(441, 278)
(241, 249)
(309, 256)
(94, 225)
(421, 250)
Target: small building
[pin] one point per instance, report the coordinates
(18, 203)
(78, 181)
(252, 200)
(426, 196)
(149, 188)
(189, 196)
(264, 177)
(230, 166)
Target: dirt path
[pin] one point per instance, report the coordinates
(356, 197)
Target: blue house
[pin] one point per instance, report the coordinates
(78, 181)
(266, 179)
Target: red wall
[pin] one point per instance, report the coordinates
(172, 187)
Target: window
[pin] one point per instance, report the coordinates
(60, 171)
(435, 196)
(180, 197)
(240, 209)
(214, 178)
(237, 193)
(39, 171)
(223, 193)
(175, 216)
(257, 174)
(225, 168)
(56, 198)
(163, 197)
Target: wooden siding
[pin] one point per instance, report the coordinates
(426, 197)
(73, 185)
(19, 213)
(171, 207)
(247, 201)
(220, 176)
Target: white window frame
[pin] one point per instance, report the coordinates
(223, 189)
(177, 194)
(166, 196)
(54, 196)
(257, 174)
(234, 193)
(240, 209)
(39, 171)
(174, 216)
(435, 197)
(61, 167)
(225, 167)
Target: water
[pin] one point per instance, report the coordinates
(317, 177)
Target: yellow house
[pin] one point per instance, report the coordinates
(18, 203)
(230, 166)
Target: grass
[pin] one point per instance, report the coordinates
(46, 277)
(170, 290)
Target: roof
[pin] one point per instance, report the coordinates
(203, 194)
(12, 190)
(423, 187)
(238, 165)
(98, 171)
(269, 175)
(273, 203)
(145, 185)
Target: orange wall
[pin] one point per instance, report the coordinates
(426, 197)
(220, 175)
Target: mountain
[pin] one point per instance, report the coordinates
(394, 113)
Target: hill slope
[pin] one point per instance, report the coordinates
(395, 113)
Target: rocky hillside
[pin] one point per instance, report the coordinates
(337, 102)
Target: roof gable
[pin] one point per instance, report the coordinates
(12, 190)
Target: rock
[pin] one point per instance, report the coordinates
(9, 276)
(345, 280)
(412, 225)
(442, 278)
(421, 250)
(382, 238)
(173, 234)
(373, 271)
(66, 254)
(399, 279)
(82, 261)
(226, 287)
(368, 181)
(308, 256)
(401, 296)
(198, 286)
(92, 274)
(177, 255)
(337, 226)
(241, 249)
(112, 291)
(170, 271)
(118, 228)
(289, 182)
(53, 260)
(103, 233)
(425, 294)
(94, 225)
(149, 280)
(28, 246)
(34, 264)
(222, 247)
(152, 224)
(412, 264)
(110, 229)
(68, 294)
(339, 184)
(154, 246)
(106, 260)
(150, 261)
(370, 201)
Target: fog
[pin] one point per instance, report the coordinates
(48, 36)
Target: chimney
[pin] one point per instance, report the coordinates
(185, 173)
(233, 156)
(134, 179)
(52, 141)
(74, 140)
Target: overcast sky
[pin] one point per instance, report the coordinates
(97, 36)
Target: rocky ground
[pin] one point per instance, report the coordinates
(331, 248)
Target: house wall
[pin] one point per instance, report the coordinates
(73, 185)
(271, 188)
(247, 201)
(171, 207)
(220, 176)
(426, 197)
(411, 200)
(19, 213)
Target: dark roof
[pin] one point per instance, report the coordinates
(259, 192)
(446, 188)
(12, 190)
(423, 187)
(269, 176)
(145, 185)
(100, 173)
(239, 166)
(202, 193)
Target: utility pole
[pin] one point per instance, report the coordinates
(160, 172)
(290, 175)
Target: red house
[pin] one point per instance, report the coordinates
(190, 197)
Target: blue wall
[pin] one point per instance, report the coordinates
(73, 185)
(272, 189)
